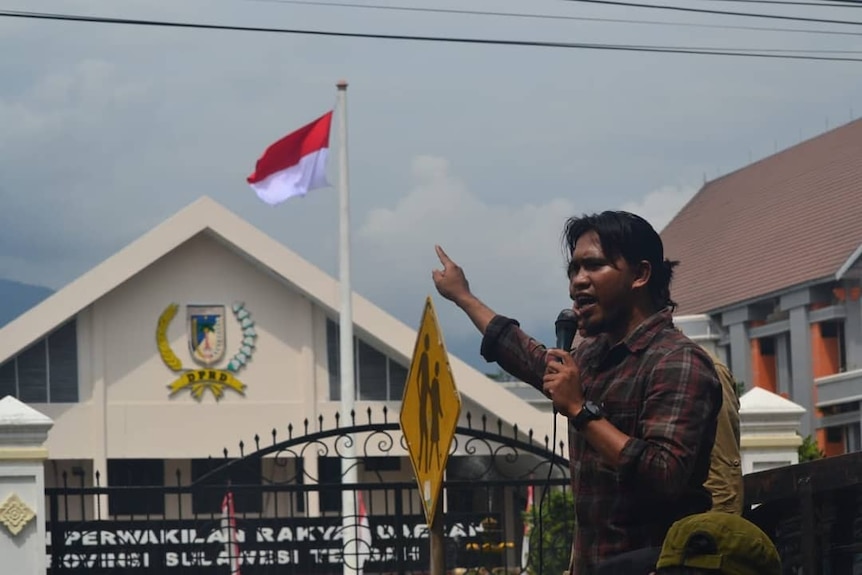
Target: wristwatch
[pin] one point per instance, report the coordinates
(589, 412)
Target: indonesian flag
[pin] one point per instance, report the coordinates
(228, 524)
(295, 164)
(525, 544)
(363, 535)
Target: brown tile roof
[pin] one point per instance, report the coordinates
(786, 220)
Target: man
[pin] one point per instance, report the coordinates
(641, 398)
(717, 543)
(725, 481)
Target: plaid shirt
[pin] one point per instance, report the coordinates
(658, 387)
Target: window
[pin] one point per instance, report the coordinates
(378, 377)
(329, 473)
(45, 372)
(209, 499)
(835, 329)
(140, 473)
(852, 438)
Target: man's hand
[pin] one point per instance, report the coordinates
(450, 281)
(453, 285)
(562, 383)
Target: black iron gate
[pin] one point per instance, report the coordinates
(269, 511)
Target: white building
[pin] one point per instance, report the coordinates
(109, 356)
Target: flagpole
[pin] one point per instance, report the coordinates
(349, 472)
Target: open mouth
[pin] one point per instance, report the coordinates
(584, 302)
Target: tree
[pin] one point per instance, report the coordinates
(809, 450)
(551, 552)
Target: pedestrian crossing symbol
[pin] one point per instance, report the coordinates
(430, 410)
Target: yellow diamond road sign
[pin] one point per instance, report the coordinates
(430, 410)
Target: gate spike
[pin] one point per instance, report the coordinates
(484, 422)
(515, 431)
(98, 478)
(499, 426)
(256, 442)
(469, 420)
(547, 443)
(530, 435)
(305, 423)
(337, 420)
(562, 449)
(353, 417)
(225, 452)
(274, 433)
(241, 448)
(320, 422)
(369, 415)
(289, 431)
(385, 414)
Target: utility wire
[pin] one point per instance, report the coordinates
(527, 15)
(439, 39)
(719, 12)
(821, 4)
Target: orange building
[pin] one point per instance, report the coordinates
(772, 254)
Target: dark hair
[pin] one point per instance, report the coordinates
(626, 235)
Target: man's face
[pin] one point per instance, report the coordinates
(600, 288)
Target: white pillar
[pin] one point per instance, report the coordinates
(769, 428)
(23, 432)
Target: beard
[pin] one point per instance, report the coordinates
(605, 321)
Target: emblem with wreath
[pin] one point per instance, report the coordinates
(198, 380)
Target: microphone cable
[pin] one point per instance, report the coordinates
(546, 490)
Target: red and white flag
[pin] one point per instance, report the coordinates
(295, 164)
(525, 544)
(363, 536)
(228, 525)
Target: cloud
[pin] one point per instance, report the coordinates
(512, 254)
(107, 130)
(53, 165)
(508, 252)
(659, 206)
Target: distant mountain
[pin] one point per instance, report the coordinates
(17, 297)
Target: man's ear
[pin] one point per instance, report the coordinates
(642, 273)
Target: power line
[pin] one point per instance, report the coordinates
(821, 4)
(527, 15)
(719, 12)
(753, 53)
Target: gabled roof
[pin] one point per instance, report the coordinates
(207, 216)
(789, 220)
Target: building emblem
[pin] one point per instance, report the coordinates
(207, 340)
(206, 333)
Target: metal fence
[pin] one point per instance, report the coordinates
(265, 512)
(813, 513)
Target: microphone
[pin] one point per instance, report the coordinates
(566, 327)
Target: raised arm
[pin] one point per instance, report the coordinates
(453, 285)
(503, 340)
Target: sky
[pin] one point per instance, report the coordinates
(106, 130)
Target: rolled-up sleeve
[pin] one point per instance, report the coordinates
(516, 352)
(678, 416)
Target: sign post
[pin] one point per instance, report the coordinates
(430, 410)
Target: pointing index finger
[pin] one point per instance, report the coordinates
(444, 259)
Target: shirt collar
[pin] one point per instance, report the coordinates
(641, 336)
